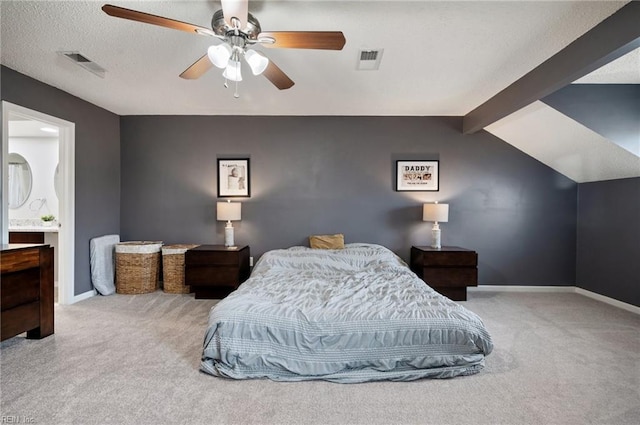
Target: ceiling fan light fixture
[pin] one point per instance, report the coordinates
(219, 55)
(232, 71)
(237, 29)
(257, 62)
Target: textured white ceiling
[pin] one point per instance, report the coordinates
(565, 145)
(440, 58)
(624, 70)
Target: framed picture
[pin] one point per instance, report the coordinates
(417, 176)
(233, 178)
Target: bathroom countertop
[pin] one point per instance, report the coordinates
(46, 229)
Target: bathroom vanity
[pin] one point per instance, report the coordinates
(26, 237)
(34, 232)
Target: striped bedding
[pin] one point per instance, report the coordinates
(352, 315)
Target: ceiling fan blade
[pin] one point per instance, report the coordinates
(277, 76)
(327, 40)
(134, 15)
(238, 9)
(197, 69)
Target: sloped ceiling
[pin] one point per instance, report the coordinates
(611, 110)
(565, 145)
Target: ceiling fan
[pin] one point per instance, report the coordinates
(239, 30)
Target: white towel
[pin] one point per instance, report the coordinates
(102, 263)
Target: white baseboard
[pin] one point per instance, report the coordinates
(625, 306)
(569, 289)
(83, 296)
(512, 288)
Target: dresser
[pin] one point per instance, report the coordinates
(26, 292)
(449, 270)
(212, 271)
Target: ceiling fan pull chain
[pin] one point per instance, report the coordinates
(237, 66)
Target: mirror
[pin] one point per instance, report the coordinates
(56, 181)
(20, 180)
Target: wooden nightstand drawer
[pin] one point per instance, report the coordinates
(212, 276)
(450, 276)
(448, 259)
(210, 268)
(449, 270)
(212, 258)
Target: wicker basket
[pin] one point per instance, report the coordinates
(137, 267)
(173, 268)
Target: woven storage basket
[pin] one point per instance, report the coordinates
(137, 267)
(173, 268)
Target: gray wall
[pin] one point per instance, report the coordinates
(608, 249)
(335, 174)
(608, 246)
(97, 160)
(611, 110)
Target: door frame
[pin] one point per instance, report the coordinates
(66, 219)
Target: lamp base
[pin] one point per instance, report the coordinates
(228, 235)
(435, 237)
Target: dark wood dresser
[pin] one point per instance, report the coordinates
(26, 296)
(213, 271)
(449, 270)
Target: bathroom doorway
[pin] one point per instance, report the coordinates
(38, 162)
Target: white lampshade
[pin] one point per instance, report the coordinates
(219, 55)
(228, 211)
(232, 71)
(257, 62)
(435, 212)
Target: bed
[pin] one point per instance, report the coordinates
(352, 315)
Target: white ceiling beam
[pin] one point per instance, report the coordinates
(614, 37)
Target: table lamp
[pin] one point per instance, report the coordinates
(228, 211)
(435, 213)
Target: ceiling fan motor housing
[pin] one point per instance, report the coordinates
(250, 31)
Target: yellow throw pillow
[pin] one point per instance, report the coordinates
(327, 241)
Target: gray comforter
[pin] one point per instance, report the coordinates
(352, 315)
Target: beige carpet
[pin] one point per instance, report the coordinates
(558, 359)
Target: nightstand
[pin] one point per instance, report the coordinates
(449, 270)
(213, 270)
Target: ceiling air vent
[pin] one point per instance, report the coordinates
(83, 61)
(369, 60)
